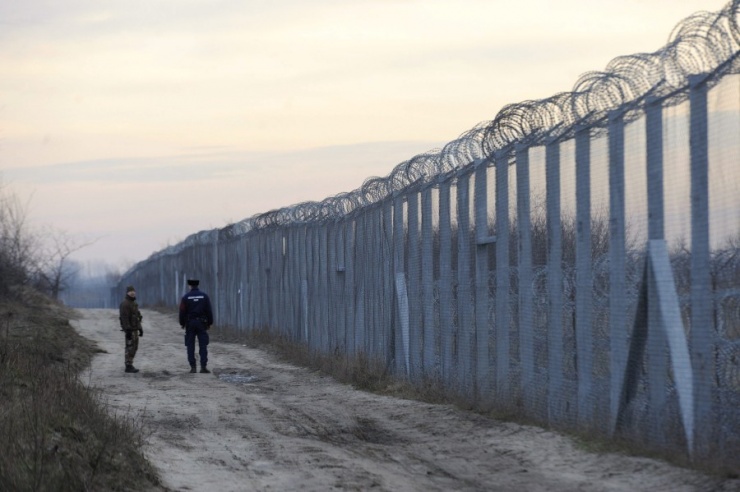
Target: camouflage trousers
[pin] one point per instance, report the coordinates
(132, 345)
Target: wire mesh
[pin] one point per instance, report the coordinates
(520, 266)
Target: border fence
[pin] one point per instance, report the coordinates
(576, 260)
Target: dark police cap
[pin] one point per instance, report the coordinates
(193, 282)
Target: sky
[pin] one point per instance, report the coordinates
(131, 124)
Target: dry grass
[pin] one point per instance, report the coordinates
(360, 371)
(55, 431)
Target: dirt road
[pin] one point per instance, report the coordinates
(259, 424)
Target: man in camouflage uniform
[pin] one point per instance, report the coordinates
(130, 318)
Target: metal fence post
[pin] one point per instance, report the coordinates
(617, 265)
(482, 277)
(401, 335)
(427, 285)
(526, 305)
(554, 284)
(446, 319)
(702, 324)
(584, 277)
(465, 303)
(413, 281)
(503, 390)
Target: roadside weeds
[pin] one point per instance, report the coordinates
(56, 431)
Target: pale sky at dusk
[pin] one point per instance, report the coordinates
(141, 122)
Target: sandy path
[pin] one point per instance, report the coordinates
(260, 424)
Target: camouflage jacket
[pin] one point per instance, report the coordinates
(129, 315)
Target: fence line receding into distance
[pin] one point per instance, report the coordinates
(576, 259)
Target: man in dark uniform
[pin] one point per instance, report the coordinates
(196, 318)
(130, 318)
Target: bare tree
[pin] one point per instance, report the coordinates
(55, 270)
(18, 245)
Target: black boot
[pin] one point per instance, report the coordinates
(203, 370)
(131, 368)
(192, 369)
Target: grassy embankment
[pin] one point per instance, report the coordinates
(56, 432)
